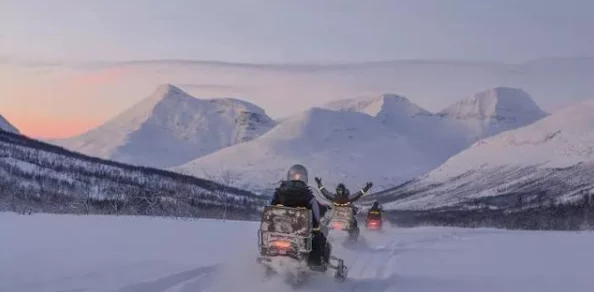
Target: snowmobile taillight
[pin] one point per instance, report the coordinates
(373, 224)
(338, 225)
(281, 244)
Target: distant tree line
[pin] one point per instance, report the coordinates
(39, 177)
(571, 215)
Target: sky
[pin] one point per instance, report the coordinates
(264, 31)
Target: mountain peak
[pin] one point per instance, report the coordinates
(172, 127)
(6, 126)
(168, 91)
(378, 105)
(500, 103)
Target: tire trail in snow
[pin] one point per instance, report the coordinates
(372, 260)
(372, 263)
(167, 282)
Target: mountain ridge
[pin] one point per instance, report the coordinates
(525, 161)
(171, 127)
(41, 177)
(7, 126)
(329, 143)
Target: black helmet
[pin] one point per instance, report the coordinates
(341, 190)
(297, 172)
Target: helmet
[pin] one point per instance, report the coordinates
(297, 172)
(341, 190)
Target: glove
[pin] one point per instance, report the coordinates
(367, 186)
(318, 181)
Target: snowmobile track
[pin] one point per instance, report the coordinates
(186, 281)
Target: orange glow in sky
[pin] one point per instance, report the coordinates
(40, 126)
(60, 106)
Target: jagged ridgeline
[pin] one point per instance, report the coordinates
(40, 177)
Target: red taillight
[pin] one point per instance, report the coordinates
(373, 223)
(337, 225)
(282, 244)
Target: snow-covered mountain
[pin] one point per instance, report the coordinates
(6, 126)
(395, 111)
(393, 139)
(171, 128)
(347, 147)
(491, 112)
(40, 177)
(426, 131)
(452, 130)
(551, 159)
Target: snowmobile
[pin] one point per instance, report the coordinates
(285, 242)
(374, 220)
(343, 218)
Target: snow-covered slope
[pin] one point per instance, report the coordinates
(40, 177)
(140, 254)
(491, 112)
(171, 128)
(339, 146)
(427, 132)
(553, 157)
(452, 130)
(395, 111)
(6, 126)
(385, 138)
(384, 106)
(560, 140)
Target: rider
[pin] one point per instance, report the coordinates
(343, 197)
(294, 192)
(376, 208)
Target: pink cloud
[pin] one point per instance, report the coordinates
(97, 78)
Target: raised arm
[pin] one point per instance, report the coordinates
(356, 196)
(326, 193)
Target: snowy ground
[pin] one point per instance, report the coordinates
(65, 253)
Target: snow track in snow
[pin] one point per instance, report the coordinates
(371, 266)
(139, 254)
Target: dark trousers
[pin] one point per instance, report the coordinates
(318, 249)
